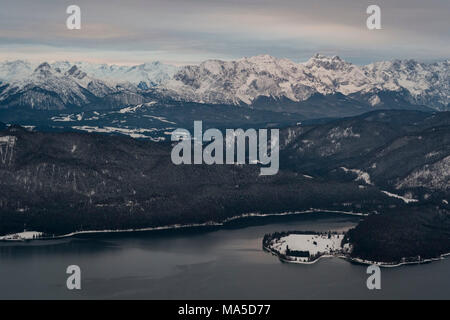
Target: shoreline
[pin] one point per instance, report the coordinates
(188, 226)
(359, 261)
(395, 264)
(3, 239)
(277, 254)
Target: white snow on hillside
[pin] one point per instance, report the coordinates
(133, 109)
(244, 80)
(153, 73)
(433, 176)
(134, 133)
(16, 70)
(7, 144)
(360, 175)
(405, 199)
(339, 133)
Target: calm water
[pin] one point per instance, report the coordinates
(226, 263)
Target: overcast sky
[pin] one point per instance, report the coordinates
(189, 31)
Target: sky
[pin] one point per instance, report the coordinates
(190, 31)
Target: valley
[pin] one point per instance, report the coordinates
(65, 182)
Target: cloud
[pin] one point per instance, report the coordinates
(187, 31)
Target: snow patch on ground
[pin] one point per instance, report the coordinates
(134, 108)
(26, 235)
(374, 100)
(338, 133)
(134, 133)
(7, 144)
(405, 199)
(64, 118)
(162, 119)
(361, 175)
(9, 140)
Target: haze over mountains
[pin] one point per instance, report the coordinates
(259, 82)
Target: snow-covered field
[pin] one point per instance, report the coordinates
(315, 244)
(134, 133)
(26, 235)
(405, 199)
(361, 175)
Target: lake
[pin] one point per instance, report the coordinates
(205, 263)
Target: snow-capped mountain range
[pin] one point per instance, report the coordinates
(244, 80)
(153, 73)
(59, 85)
(53, 88)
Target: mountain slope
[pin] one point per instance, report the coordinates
(61, 182)
(373, 145)
(319, 86)
(243, 81)
(50, 88)
(151, 74)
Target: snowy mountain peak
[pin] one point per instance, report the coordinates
(76, 72)
(262, 58)
(152, 64)
(321, 57)
(43, 68)
(329, 63)
(14, 70)
(244, 80)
